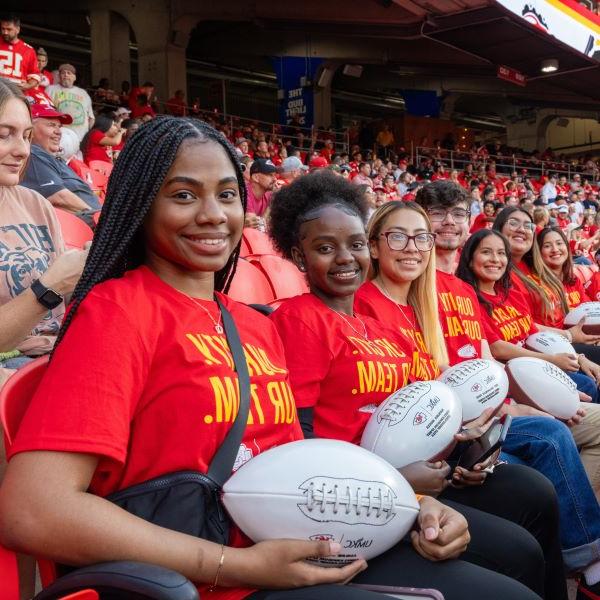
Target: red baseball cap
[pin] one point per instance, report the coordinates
(42, 111)
(318, 162)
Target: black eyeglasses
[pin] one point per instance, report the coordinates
(459, 215)
(399, 241)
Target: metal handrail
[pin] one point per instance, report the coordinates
(341, 142)
(459, 159)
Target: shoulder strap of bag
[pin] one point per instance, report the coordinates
(222, 463)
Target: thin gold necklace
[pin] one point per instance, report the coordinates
(389, 297)
(364, 334)
(217, 324)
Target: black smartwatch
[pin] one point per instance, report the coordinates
(46, 296)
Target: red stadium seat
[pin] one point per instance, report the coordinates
(123, 576)
(75, 232)
(284, 277)
(101, 166)
(583, 272)
(250, 285)
(258, 242)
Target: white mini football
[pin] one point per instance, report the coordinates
(540, 384)
(549, 343)
(417, 422)
(591, 312)
(479, 384)
(321, 489)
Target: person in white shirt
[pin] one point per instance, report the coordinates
(549, 192)
(72, 100)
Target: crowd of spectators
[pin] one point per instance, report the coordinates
(77, 133)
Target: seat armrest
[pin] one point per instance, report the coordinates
(129, 578)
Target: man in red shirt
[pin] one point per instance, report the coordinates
(18, 61)
(176, 105)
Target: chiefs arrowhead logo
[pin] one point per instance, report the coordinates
(420, 417)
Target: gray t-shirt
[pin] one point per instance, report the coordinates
(47, 175)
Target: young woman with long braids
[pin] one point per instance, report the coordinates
(131, 389)
(318, 222)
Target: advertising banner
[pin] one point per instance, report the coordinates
(565, 20)
(297, 99)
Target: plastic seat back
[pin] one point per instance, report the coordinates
(250, 285)
(258, 242)
(284, 277)
(579, 274)
(75, 232)
(101, 166)
(15, 395)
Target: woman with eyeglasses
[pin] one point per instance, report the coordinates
(318, 222)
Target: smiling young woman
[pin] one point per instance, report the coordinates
(401, 290)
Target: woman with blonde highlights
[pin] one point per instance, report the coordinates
(401, 290)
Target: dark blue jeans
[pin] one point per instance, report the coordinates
(548, 446)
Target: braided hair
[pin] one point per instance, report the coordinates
(134, 183)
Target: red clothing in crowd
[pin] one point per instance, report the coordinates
(510, 319)
(592, 288)
(370, 300)
(255, 205)
(460, 317)
(172, 394)
(482, 221)
(336, 369)
(94, 150)
(18, 62)
(176, 106)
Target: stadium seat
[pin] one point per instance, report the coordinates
(101, 166)
(583, 272)
(124, 579)
(284, 277)
(250, 285)
(75, 232)
(258, 242)
(98, 185)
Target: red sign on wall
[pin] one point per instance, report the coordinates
(511, 75)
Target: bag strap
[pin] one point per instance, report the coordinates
(222, 463)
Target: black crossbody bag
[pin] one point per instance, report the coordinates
(189, 501)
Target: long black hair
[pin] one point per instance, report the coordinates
(134, 183)
(102, 123)
(465, 272)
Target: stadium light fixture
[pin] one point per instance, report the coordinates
(549, 65)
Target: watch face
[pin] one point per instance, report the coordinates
(50, 299)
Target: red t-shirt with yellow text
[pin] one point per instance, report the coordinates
(575, 293)
(556, 316)
(510, 319)
(143, 381)
(370, 300)
(334, 369)
(460, 318)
